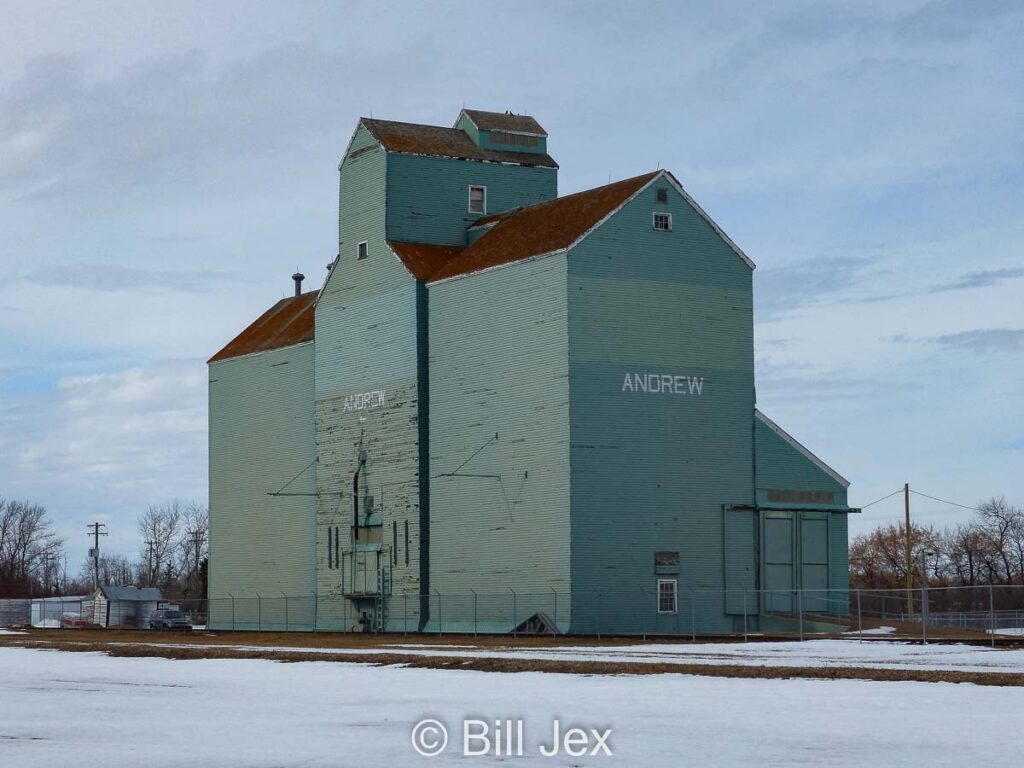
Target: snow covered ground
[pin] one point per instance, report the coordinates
(86, 710)
(875, 654)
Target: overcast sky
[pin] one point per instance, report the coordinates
(165, 167)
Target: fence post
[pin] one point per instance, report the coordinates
(800, 611)
(924, 615)
(693, 617)
(515, 608)
(285, 611)
(556, 612)
(232, 612)
(860, 623)
(405, 614)
(474, 610)
(991, 617)
(440, 631)
(259, 613)
(316, 611)
(744, 615)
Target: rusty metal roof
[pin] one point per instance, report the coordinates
(410, 138)
(288, 322)
(423, 259)
(505, 121)
(542, 228)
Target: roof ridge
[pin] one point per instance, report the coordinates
(544, 228)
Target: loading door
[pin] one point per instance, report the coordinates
(779, 578)
(814, 560)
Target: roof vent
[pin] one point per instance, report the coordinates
(298, 277)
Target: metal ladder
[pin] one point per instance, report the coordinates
(380, 599)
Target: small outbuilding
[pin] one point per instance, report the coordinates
(121, 606)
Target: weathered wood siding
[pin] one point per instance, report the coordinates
(428, 197)
(653, 471)
(499, 365)
(366, 325)
(261, 436)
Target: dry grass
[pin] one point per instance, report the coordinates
(186, 647)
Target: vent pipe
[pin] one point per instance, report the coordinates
(298, 277)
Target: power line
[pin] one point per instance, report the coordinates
(945, 501)
(898, 490)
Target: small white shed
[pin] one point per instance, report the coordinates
(123, 606)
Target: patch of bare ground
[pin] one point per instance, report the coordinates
(190, 651)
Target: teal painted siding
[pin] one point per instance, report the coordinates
(361, 195)
(261, 436)
(467, 125)
(740, 545)
(654, 472)
(366, 324)
(428, 197)
(839, 563)
(486, 142)
(781, 467)
(499, 365)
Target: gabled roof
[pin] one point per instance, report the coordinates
(412, 139)
(423, 259)
(544, 228)
(285, 324)
(143, 594)
(504, 121)
(800, 448)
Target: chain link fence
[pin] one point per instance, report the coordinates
(972, 613)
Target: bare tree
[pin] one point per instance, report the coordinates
(28, 543)
(160, 527)
(988, 549)
(115, 570)
(194, 547)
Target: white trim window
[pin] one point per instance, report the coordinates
(668, 596)
(661, 221)
(362, 251)
(477, 199)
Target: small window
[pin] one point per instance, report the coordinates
(663, 222)
(361, 251)
(667, 596)
(478, 199)
(661, 195)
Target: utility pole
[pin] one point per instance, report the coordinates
(197, 540)
(149, 561)
(96, 530)
(907, 551)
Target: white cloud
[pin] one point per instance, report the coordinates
(104, 446)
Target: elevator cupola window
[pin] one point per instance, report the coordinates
(478, 199)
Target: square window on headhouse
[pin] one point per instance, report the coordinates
(361, 251)
(663, 222)
(661, 195)
(478, 199)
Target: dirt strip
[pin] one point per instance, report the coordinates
(588, 667)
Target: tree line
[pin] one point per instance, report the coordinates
(173, 554)
(987, 549)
